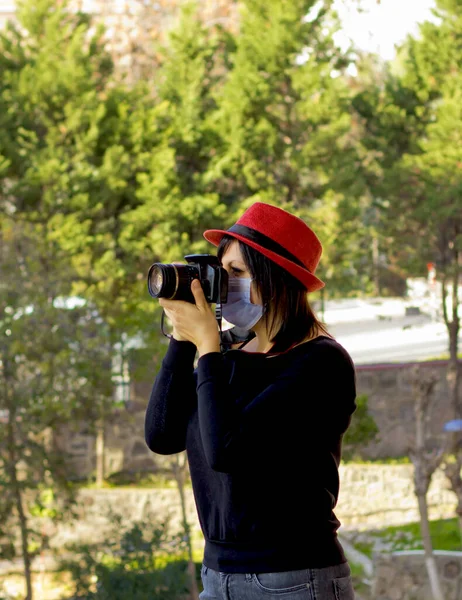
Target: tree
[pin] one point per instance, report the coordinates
(67, 143)
(285, 122)
(53, 371)
(62, 190)
(430, 182)
(178, 196)
(139, 30)
(435, 177)
(179, 465)
(413, 126)
(362, 430)
(430, 175)
(425, 456)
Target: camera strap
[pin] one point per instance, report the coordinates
(218, 317)
(162, 328)
(219, 314)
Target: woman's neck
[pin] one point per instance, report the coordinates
(256, 345)
(261, 342)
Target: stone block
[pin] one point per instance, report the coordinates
(403, 575)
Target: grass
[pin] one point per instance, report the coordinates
(445, 535)
(444, 356)
(358, 578)
(124, 479)
(366, 548)
(133, 480)
(397, 460)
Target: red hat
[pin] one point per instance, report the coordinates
(280, 236)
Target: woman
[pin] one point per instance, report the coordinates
(262, 424)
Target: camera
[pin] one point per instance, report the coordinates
(173, 281)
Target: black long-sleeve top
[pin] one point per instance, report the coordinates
(263, 437)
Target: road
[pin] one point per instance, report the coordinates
(383, 333)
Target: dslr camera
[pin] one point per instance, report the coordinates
(174, 281)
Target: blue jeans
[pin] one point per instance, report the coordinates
(330, 583)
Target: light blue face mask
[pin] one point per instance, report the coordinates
(239, 310)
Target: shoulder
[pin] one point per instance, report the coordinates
(330, 345)
(319, 346)
(329, 368)
(324, 351)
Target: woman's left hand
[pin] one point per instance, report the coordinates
(194, 323)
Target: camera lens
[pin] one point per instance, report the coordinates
(172, 281)
(162, 280)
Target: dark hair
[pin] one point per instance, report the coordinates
(284, 298)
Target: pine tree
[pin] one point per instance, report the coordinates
(54, 370)
(60, 181)
(416, 129)
(178, 196)
(284, 116)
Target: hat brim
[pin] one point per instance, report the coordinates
(310, 281)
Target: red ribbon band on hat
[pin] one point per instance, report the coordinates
(262, 240)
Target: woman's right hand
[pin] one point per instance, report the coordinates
(194, 323)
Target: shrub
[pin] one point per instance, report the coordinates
(140, 561)
(363, 430)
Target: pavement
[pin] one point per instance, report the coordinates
(384, 330)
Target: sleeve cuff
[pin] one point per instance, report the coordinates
(179, 355)
(209, 365)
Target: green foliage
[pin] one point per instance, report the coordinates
(362, 431)
(284, 119)
(141, 480)
(98, 179)
(177, 198)
(55, 358)
(444, 533)
(413, 132)
(71, 151)
(138, 561)
(358, 576)
(53, 372)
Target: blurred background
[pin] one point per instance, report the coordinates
(127, 128)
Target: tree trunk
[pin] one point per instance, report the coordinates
(99, 451)
(451, 320)
(452, 323)
(457, 487)
(453, 374)
(179, 476)
(18, 499)
(430, 562)
(376, 264)
(459, 518)
(452, 469)
(322, 304)
(425, 463)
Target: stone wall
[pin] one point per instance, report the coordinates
(403, 576)
(94, 507)
(125, 448)
(371, 496)
(376, 496)
(389, 391)
(388, 388)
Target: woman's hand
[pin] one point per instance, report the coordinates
(194, 323)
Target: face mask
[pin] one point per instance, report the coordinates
(239, 310)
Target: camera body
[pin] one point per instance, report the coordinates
(173, 281)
